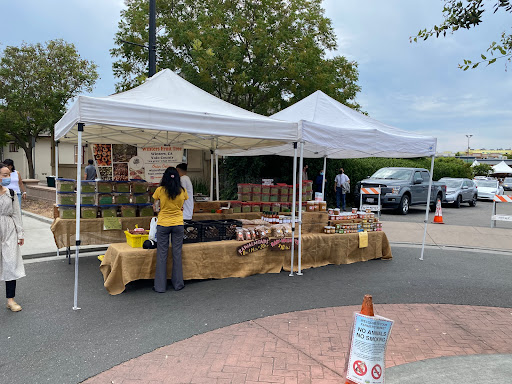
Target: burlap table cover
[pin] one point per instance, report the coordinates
(123, 264)
(91, 231)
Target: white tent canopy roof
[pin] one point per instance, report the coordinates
(475, 163)
(501, 168)
(167, 109)
(332, 129)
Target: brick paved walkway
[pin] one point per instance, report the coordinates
(310, 346)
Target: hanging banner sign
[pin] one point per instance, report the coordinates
(283, 244)
(155, 160)
(252, 246)
(366, 361)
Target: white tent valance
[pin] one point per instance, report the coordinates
(167, 109)
(331, 129)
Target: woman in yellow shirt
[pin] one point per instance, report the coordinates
(171, 196)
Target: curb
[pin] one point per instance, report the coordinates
(63, 253)
(37, 217)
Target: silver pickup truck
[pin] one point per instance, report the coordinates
(401, 188)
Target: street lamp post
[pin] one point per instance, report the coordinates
(468, 136)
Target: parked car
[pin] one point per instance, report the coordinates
(401, 188)
(488, 188)
(507, 184)
(460, 190)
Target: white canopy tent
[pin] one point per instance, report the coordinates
(501, 168)
(475, 163)
(327, 128)
(166, 110)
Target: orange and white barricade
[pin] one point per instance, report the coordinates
(495, 217)
(370, 191)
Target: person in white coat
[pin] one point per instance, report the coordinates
(11, 238)
(188, 206)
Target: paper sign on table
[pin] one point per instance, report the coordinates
(363, 239)
(368, 349)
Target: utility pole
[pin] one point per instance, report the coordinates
(152, 37)
(469, 137)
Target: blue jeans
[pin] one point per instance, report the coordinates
(340, 196)
(19, 199)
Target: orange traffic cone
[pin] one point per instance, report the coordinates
(438, 218)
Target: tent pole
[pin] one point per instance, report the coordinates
(428, 205)
(323, 178)
(211, 174)
(77, 219)
(217, 175)
(301, 166)
(56, 176)
(294, 203)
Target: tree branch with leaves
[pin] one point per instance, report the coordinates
(467, 14)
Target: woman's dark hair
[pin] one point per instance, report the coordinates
(3, 165)
(171, 182)
(9, 162)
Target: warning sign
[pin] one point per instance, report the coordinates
(368, 347)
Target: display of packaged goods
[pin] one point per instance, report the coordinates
(256, 197)
(244, 188)
(310, 206)
(246, 196)
(140, 198)
(67, 211)
(265, 189)
(139, 186)
(246, 207)
(191, 232)
(265, 207)
(309, 195)
(122, 186)
(66, 185)
(329, 229)
(237, 206)
(88, 199)
(309, 185)
(66, 198)
(265, 197)
(322, 206)
(108, 210)
(128, 210)
(239, 236)
(286, 207)
(89, 211)
(122, 198)
(105, 199)
(256, 188)
(88, 186)
(211, 230)
(229, 229)
(261, 232)
(104, 186)
(274, 197)
(152, 188)
(283, 189)
(283, 198)
(255, 207)
(274, 189)
(146, 210)
(276, 207)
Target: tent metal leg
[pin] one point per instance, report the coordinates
(429, 194)
(323, 178)
(301, 167)
(217, 176)
(211, 175)
(294, 204)
(78, 200)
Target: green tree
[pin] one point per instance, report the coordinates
(36, 82)
(261, 55)
(482, 170)
(467, 14)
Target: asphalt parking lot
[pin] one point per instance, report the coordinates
(479, 216)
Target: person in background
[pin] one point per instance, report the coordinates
(341, 187)
(188, 206)
(319, 180)
(16, 181)
(171, 196)
(11, 238)
(305, 173)
(90, 171)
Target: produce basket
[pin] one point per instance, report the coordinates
(135, 241)
(211, 230)
(192, 231)
(229, 232)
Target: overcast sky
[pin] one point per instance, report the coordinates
(415, 87)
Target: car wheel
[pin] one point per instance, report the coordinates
(403, 208)
(458, 202)
(472, 202)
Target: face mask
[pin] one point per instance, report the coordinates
(6, 181)
(321, 173)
